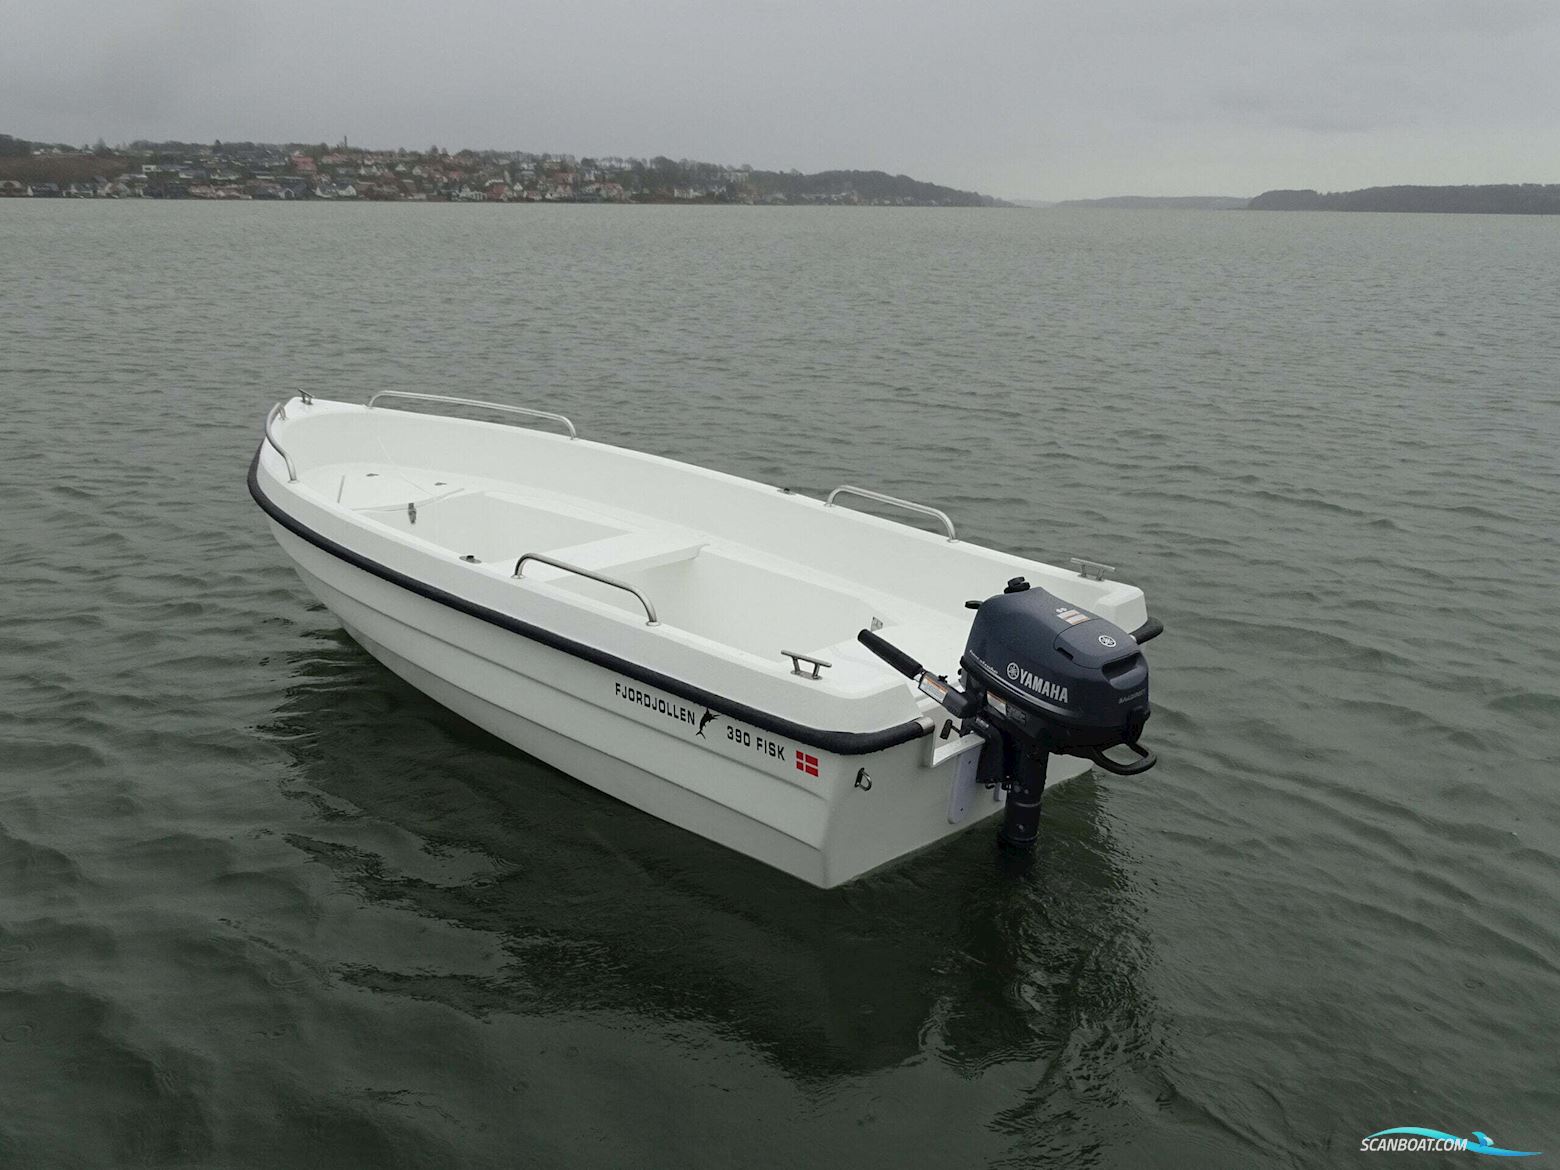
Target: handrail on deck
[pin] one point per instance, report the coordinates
(526, 410)
(279, 411)
(910, 505)
(542, 559)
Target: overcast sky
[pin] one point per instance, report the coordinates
(1017, 98)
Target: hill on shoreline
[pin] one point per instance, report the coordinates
(240, 170)
(1485, 199)
(1488, 199)
(873, 186)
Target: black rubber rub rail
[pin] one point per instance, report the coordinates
(842, 743)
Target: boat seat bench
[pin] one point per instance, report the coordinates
(626, 553)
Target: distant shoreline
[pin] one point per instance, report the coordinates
(649, 202)
(1485, 199)
(1160, 203)
(293, 171)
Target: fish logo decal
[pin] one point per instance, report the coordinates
(705, 720)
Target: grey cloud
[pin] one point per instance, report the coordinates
(1010, 96)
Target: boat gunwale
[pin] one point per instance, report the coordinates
(843, 743)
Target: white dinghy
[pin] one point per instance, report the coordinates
(737, 659)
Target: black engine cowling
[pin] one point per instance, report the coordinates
(1081, 681)
(1040, 677)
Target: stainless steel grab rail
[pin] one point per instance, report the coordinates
(279, 411)
(911, 505)
(547, 414)
(612, 581)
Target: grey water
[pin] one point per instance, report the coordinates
(264, 905)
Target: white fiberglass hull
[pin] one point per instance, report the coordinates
(824, 779)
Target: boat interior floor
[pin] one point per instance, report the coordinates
(739, 596)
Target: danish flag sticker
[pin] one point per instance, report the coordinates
(806, 763)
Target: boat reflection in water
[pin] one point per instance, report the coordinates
(601, 908)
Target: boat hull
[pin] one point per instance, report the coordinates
(682, 639)
(820, 816)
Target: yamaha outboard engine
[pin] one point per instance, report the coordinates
(1040, 677)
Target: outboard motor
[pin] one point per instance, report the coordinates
(1040, 677)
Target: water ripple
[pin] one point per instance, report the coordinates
(267, 906)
